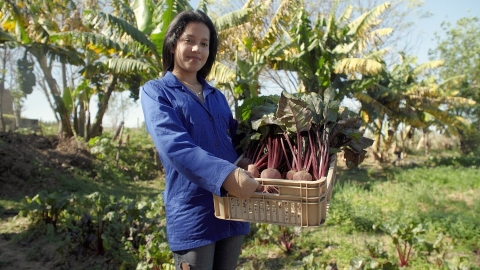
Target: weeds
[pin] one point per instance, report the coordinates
(103, 225)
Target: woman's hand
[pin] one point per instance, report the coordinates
(241, 183)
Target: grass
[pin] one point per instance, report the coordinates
(443, 199)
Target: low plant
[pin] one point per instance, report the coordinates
(46, 207)
(282, 236)
(130, 158)
(404, 237)
(469, 160)
(437, 254)
(377, 258)
(434, 254)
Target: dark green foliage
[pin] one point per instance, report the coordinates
(132, 158)
(46, 207)
(470, 143)
(126, 230)
(133, 82)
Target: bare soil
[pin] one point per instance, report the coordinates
(23, 159)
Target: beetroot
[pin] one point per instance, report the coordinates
(302, 175)
(252, 168)
(271, 173)
(244, 162)
(290, 174)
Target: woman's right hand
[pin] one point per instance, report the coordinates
(241, 183)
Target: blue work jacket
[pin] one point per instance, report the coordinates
(194, 142)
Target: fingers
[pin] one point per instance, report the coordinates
(249, 174)
(240, 184)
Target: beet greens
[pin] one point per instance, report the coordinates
(299, 132)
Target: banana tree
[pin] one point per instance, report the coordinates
(331, 50)
(126, 54)
(153, 19)
(31, 24)
(248, 43)
(113, 61)
(405, 95)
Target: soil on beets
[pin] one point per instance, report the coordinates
(28, 164)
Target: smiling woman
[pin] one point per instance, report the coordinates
(194, 132)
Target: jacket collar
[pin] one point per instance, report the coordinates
(171, 81)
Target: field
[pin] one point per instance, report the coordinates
(428, 207)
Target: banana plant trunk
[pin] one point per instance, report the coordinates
(96, 129)
(66, 130)
(2, 89)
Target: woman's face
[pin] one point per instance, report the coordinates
(192, 50)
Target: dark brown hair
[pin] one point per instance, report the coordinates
(177, 27)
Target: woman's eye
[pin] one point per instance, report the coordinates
(205, 44)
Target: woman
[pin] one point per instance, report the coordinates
(192, 127)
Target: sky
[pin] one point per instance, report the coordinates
(36, 105)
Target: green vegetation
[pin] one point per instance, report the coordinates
(100, 211)
(432, 211)
(421, 216)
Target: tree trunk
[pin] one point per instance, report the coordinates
(118, 135)
(427, 143)
(238, 114)
(420, 142)
(376, 149)
(96, 129)
(41, 57)
(424, 142)
(81, 120)
(2, 120)
(411, 137)
(2, 89)
(18, 117)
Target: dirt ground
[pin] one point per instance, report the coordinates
(23, 159)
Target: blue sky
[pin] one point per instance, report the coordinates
(441, 10)
(36, 105)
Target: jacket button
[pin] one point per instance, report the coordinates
(211, 118)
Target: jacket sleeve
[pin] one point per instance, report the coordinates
(176, 147)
